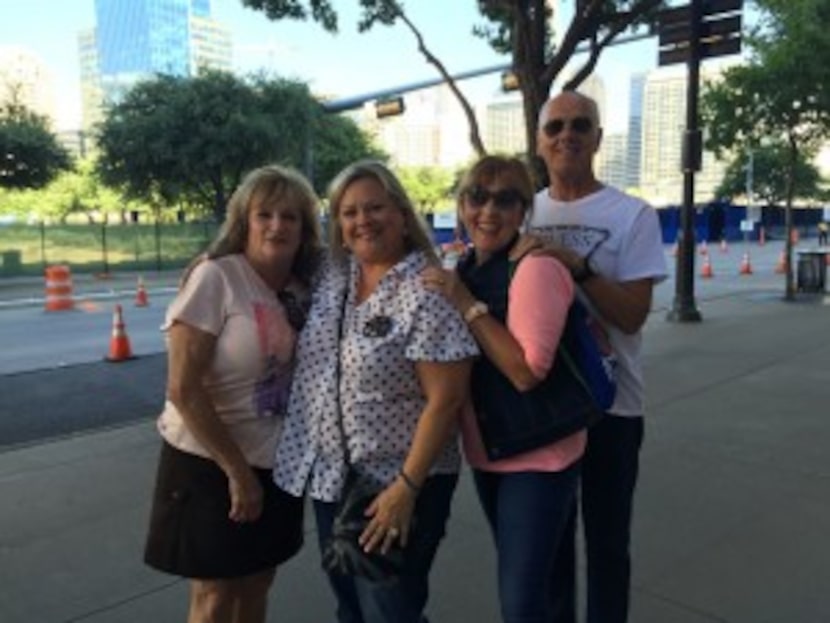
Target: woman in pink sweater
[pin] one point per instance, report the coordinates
(517, 312)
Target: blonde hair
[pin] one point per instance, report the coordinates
(416, 237)
(270, 183)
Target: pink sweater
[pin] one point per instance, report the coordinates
(540, 294)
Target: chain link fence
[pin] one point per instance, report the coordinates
(101, 248)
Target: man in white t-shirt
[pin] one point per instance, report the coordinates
(611, 243)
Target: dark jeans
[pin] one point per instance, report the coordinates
(527, 513)
(403, 600)
(609, 476)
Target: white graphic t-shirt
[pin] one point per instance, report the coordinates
(249, 378)
(621, 236)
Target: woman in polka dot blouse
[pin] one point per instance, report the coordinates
(383, 370)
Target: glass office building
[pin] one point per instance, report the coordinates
(136, 39)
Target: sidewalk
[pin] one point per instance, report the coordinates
(731, 519)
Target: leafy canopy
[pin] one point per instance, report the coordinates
(30, 154)
(193, 139)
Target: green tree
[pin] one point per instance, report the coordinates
(74, 192)
(426, 186)
(30, 154)
(337, 141)
(781, 96)
(769, 185)
(519, 28)
(192, 139)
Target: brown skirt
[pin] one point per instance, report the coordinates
(190, 534)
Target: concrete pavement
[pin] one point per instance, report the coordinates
(731, 518)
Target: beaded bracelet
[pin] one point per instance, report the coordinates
(409, 482)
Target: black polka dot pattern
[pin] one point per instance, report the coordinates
(381, 399)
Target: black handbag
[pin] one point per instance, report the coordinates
(511, 421)
(342, 553)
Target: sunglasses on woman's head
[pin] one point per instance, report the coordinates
(505, 199)
(580, 125)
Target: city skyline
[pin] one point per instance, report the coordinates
(304, 51)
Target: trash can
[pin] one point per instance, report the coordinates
(10, 263)
(811, 273)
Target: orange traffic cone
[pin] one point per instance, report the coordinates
(724, 248)
(706, 269)
(704, 250)
(781, 265)
(674, 248)
(794, 235)
(746, 267)
(119, 342)
(141, 295)
(762, 236)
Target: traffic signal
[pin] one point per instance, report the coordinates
(509, 81)
(389, 107)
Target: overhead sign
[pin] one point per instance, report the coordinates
(718, 31)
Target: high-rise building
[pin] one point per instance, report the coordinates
(26, 81)
(664, 122)
(433, 132)
(136, 39)
(92, 96)
(636, 89)
(612, 160)
(505, 126)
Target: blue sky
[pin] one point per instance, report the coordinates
(343, 65)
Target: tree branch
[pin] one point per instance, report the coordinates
(469, 113)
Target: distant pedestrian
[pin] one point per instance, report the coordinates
(612, 245)
(217, 516)
(822, 233)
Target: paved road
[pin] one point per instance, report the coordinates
(53, 381)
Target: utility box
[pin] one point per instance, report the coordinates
(10, 263)
(811, 271)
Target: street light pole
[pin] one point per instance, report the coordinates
(684, 308)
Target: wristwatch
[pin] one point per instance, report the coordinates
(584, 272)
(475, 310)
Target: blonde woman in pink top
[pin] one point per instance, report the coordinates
(517, 313)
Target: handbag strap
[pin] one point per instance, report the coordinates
(338, 374)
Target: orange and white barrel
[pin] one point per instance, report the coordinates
(58, 288)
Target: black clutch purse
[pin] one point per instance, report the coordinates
(342, 553)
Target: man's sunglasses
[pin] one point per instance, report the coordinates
(505, 199)
(580, 125)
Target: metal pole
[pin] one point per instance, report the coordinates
(158, 241)
(104, 246)
(43, 243)
(684, 308)
(750, 199)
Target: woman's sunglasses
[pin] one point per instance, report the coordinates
(505, 199)
(580, 125)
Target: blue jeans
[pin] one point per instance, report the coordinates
(609, 476)
(402, 601)
(527, 513)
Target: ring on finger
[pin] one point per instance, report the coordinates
(393, 532)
